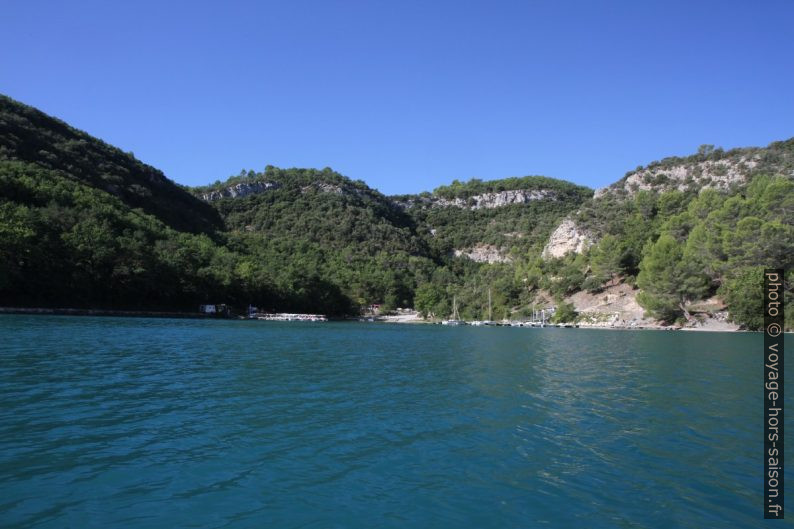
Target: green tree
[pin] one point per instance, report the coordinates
(669, 279)
(606, 260)
(743, 292)
(565, 313)
(427, 299)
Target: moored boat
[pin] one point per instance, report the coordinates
(455, 320)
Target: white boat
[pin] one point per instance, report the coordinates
(455, 316)
(489, 321)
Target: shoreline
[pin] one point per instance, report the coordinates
(713, 327)
(62, 311)
(42, 311)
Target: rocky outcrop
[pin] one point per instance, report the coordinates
(239, 190)
(252, 188)
(484, 253)
(567, 238)
(718, 174)
(496, 199)
(323, 187)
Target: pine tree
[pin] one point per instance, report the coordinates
(606, 260)
(669, 278)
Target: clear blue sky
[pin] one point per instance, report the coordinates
(407, 95)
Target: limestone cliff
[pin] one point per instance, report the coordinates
(710, 167)
(567, 238)
(719, 174)
(239, 190)
(481, 201)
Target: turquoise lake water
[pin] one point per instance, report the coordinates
(150, 423)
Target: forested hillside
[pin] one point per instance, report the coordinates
(83, 224)
(485, 234)
(683, 237)
(318, 224)
(379, 250)
(30, 136)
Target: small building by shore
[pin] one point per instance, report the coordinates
(220, 309)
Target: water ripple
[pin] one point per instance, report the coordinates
(131, 423)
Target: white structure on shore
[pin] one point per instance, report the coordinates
(283, 316)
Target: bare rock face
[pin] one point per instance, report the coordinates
(323, 187)
(239, 190)
(499, 199)
(567, 238)
(719, 174)
(484, 201)
(329, 188)
(484, 253)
